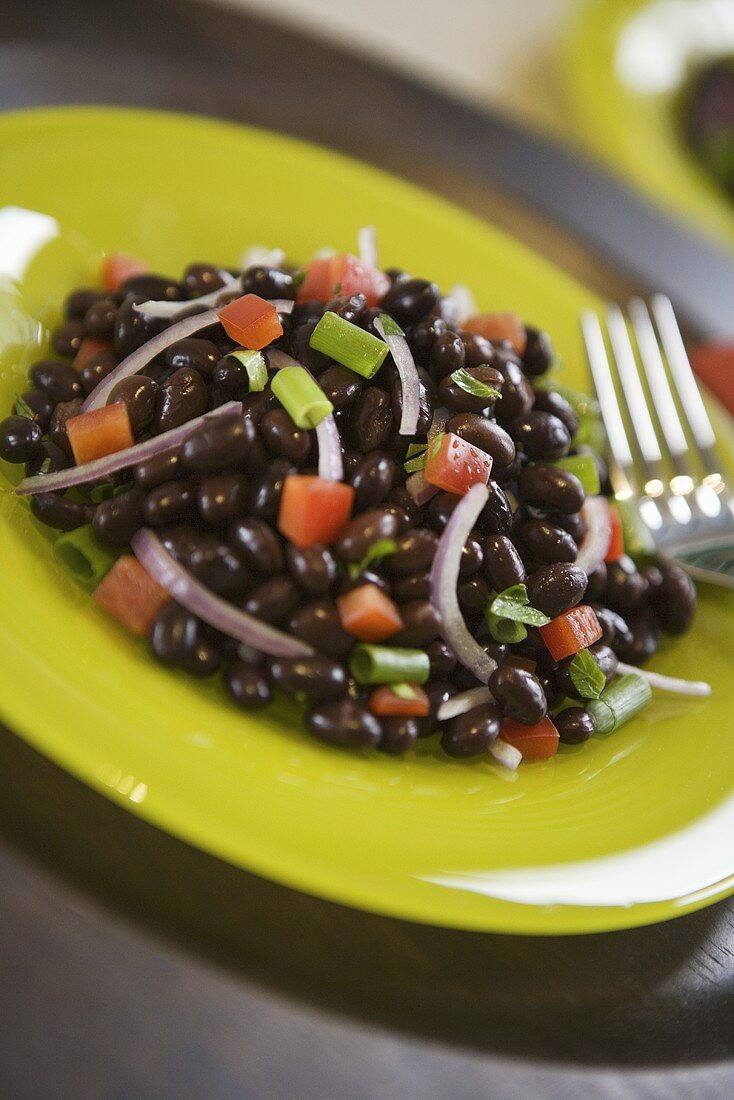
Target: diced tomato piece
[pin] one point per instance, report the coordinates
(131, 595)
(100, 432)
(251, 321)
(117, 267)
(538, 742)
(499, 326)
(714, 365)
(570, 632)
(387, 704)
(616, 539)
(87, 350)
(314, 510)
(342, 274)
(368, 614)
(455, 465)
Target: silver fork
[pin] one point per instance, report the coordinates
(673, 475)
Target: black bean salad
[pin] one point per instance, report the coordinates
(338, 483)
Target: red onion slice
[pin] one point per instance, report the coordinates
(140, 358)
(695, 688)
(409, 379)
(331, 462)
(505, 754)
(215, 611)
(367, 245)
(168, 310)
(420, 489)
(444, 578)
(594, 547)
(464, 701)
(103, 467)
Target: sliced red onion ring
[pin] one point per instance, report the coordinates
(444, 577)
(104, 467)
(331, 462)
(140, 358)
(599, 531)
(464, 701)
(215, 611)
(409, 380)
(367, 245)
(168, 310)
(420, 489)
(505, 754)
(667, 683)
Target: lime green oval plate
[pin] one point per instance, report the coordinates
(625, 830)
(621, 67)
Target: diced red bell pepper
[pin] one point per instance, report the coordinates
(570, 632)
(131, 595)
(314, 510)
(616, 539)
(387, 704)
(342, 274)
(251, 321)
(87, 350)
(368, 614)
(117, 267)
(99, 432)
(455, 465)
(714, 365)
(499, 326)
(538, 742)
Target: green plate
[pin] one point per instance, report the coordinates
(621, 67)
(628, 829)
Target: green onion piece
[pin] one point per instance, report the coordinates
(299, 278)
(391, 327)
(22, 408)
(505, 631)
(514, 604)
(404, 691)
(584, 467)
(619, 702)
(417, 460)
(349, 345)
(255, 365)
(379, 664)
(380, 549)
(301, 396)
(469, 384)
(104, 491)
(588, 678)
(45, 466)
(84, 557)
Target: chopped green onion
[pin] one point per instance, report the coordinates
(378, 664)
(380, 549)
(301, 396)
(416, 449)
(84, 557)
(349, 345)
(514, 604)
(469, 384)
(299, 278)
(404, 691)
(104, 491)
(416, 458)
(505, 631)
(45, 466)
(22, 408)
(255, 365)
(584, 467)
(619, 702)
(391, 327)
(587, 677)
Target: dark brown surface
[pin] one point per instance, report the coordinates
(134, 966)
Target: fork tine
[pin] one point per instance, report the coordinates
(642, 424)
(662, 395)
(604, 385)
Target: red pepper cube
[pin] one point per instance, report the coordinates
(314, 510)
(342, 274)
(616, 539)
(130, 594)
(368, 614)
(87, 350)
(500, 326)
(386, 703)
(117, 267)
(571, 632)
(99, 432)
(455, 465)
(538, 742)
(251, 321)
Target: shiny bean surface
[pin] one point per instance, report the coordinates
(422, 336)
(626, 588)
(178, 638)
(471, 733)
(48, 459)
(58, 380)
(268, 282)
(484, 434)
(221, 498)
(158, 470)
(496, 516)
(344, 723)
(551, 402)
(315, 677)
(645, 633)
(398, 735)
(20, 439)
(67, 338)
(99, 320)
(180, 398)
(519, 693)
(575, 725)
(455, 397)
(282, 438)
(132, 329)
(200, 279)
(56, 511)
(550, 489)
(313, 568)
(443, 661)
(229, 442)
(64, 411)
(502, 566)
(410, 300)
(372, 479)
(318, 624)
(40, 405)
(169, 503)
(370, 419)
(116, 520)
(538, 354)
(556, 588)
(247, 685)
(363, 531)
(415, 552)
(274, 599)
(139, 395)
(96, 368)
(674, 600)
(341, 386)
(258, 546)
(541, 435)
(517, 393)
(473, 596)
(79, 301)
(545, 544)
(446, 356)
(193, 353)
(421, 624)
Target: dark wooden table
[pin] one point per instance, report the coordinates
(133, 966)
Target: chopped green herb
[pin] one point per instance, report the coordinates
(349, 345)
(588, 678)
(22, 408)
(391, 327)
(404, 691)
(299, 279)
(254, 364)
(505, 631)
(301, 396)
(514, 604)
(380, 549)
(379, 664)
(416, 460)
(619, 702)
(84, 557)
(469, 384)
(45, 466)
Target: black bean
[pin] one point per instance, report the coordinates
(20, 439)
(350, 307)
(57, 511)
(228, 442)
(472, 557)
(221, 498)
(597, 582)
(503, 566)
(347, 582)
(180, 398)
(398, 735)
(674, 600)
(258, 546)
(268, 282)
(519, 694)
(283, 438)
(440, 509)
(443, 661)
(79, 301)
(410, 300)
(400, 498)
(318, 624)
(473, 596)
(178, 638)
(300, 347)
(48, 458)
(478, 350)
(158, 470)
(517, 393)
(140, 397)
(551, 402)
(425, 404)
(415, 552)
(446, 356)
(372, 479)
(544, 543)
(626, 589)
(365, 530)
(99, 320)
(340, 385)
(422, 336)
(496, 515)
(200, 278)
(193, 353)
(40, 405)
(541, 435)
(149, 287)
(231, 380)
(575, 524)
(116, 520)
(605, 659)
(575, 725)
(172, 502)
(472, 732)
(344, 723)
(551, 489)
(247, 685)
(645, 638)
(370, 419)
(654, 577)
(454, 397)
(538, 354)
(556, 588)
(97, 367)
(132, 329)
(315, 677)
(421, 624)
(485, 434)
(58, 380)
(67, 338)
(615, 632)
(274, 599)
(313, 568)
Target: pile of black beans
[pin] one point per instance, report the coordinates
(214, 504)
